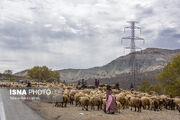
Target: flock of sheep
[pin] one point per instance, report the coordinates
(89, 98)
(124, 99)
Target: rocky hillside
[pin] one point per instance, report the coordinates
(22, 73)
(148, 60)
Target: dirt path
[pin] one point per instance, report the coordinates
(49, 112)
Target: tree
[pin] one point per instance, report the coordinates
(157, 88)
(169, 78)
(7, 74)
(145, 86)
(43, 74)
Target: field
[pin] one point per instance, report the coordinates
(49, 112)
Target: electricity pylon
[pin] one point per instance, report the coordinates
(132, 47)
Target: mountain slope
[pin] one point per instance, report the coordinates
(148, 60)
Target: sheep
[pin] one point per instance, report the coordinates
(179, 107)
(71, 96)
(119, 106)
(86, 91)
(126, 103)
(176, 101)
(63, 103)
(121, 98)
(145, 102)
(66, 92)
(65, 100)
(136, 103)
(95, 101)
(77, 96)
(104, 104)
(115, 91)
(84, 101)
(154, 104)
(169, 103)
(2, 85)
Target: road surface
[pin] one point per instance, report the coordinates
(15, 109)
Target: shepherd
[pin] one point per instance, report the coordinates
(111, 106)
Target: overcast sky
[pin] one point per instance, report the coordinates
(80, 33)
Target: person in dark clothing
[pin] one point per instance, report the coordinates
(83, 83)
(29, 84)
(108, 87)
(28, 96)
(96, 82)
(64, 82)
(117, 85)
(131, 86)
(79, 83)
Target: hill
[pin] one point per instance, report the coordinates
(149, 63)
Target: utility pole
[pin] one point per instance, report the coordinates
(132, 47)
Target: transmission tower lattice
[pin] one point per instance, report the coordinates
(132, 47)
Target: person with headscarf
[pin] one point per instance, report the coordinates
(111, 106)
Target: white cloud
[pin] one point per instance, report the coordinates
(79, 33)
(48, 25)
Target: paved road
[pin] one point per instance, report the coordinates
(15, 109)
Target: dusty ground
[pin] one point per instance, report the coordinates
(49, 112)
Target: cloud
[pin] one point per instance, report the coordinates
(167, 38)
(81, 33)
